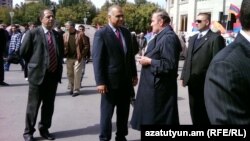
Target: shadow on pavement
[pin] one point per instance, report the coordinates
(82, 93)
(17, 85)
(90, 130)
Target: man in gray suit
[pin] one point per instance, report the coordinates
(202, 48)
(42, 49)
(227, 85)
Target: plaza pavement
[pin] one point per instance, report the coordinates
(75, 118)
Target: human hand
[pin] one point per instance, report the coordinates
(102, 89)
(144, 60)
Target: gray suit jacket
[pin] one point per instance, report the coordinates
(227, 85)
(199, 58)
(34, 50)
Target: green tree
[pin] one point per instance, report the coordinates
(139, 2)
(119, 2)
(28, 12)
(4, 15)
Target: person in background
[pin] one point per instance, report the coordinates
(42, 49)
(30, 26)
(73, 47)
(115, 73)
(142, 42)
(86, 49)
(156, 99)
(202, 48)
(228, 78)
(15, 43)
(3, 41)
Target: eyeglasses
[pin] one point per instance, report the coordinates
(198, 21)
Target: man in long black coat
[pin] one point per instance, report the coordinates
(156, 101)
(3, 41)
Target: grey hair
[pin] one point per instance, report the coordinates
(110, 9)
(72, 24)
(161, 14)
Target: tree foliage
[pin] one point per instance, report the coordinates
(137, 17)
(139, 2)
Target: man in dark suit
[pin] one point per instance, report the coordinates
(115, 73)
(42, 48)
(202, 48)
(3, 41)
(227, 84)
(156, 100)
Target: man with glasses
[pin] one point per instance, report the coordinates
(202, 48)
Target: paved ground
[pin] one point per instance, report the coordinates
(75, 118)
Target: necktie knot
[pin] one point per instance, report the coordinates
(199, 36)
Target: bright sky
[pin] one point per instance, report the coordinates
(99, 3)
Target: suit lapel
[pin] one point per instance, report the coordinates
(112, 35)
(202, 41)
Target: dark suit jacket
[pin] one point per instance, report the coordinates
(198, 59)
(113, 67)
(227, 85)
(34, 50)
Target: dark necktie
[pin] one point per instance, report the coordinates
(52, 53)
(118, 35)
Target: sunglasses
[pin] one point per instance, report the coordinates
(198, 21)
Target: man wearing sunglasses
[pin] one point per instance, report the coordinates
(202, 48)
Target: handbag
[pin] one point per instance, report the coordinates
(14, 58)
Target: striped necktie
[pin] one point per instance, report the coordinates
(52, 53)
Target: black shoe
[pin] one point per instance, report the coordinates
(4, 84)
(28, 138)
(75, 94)
(71, 92)
(120, 138)
(45, 134)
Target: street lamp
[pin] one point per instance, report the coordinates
(85, 17)
(11, 17)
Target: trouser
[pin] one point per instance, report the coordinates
(74, 72)
(197, 104)
(120, 100)
(1, 69)
(45, 94)
(83, 68)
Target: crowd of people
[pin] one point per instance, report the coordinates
(216, 75)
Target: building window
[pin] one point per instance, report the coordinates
(184, 20)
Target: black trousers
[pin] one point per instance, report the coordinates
(121, 100)
(1, 69)
(197, 104)
(45, 94)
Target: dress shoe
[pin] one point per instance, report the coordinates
(120, 138)
(4, 84)
(28, 138)
(45, 134)
(75, 94)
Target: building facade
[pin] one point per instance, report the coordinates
(183, 12)
(7, 3)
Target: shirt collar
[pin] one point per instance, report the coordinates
(112, 27)
(244, 34)
(45, 29)
(204, 32)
